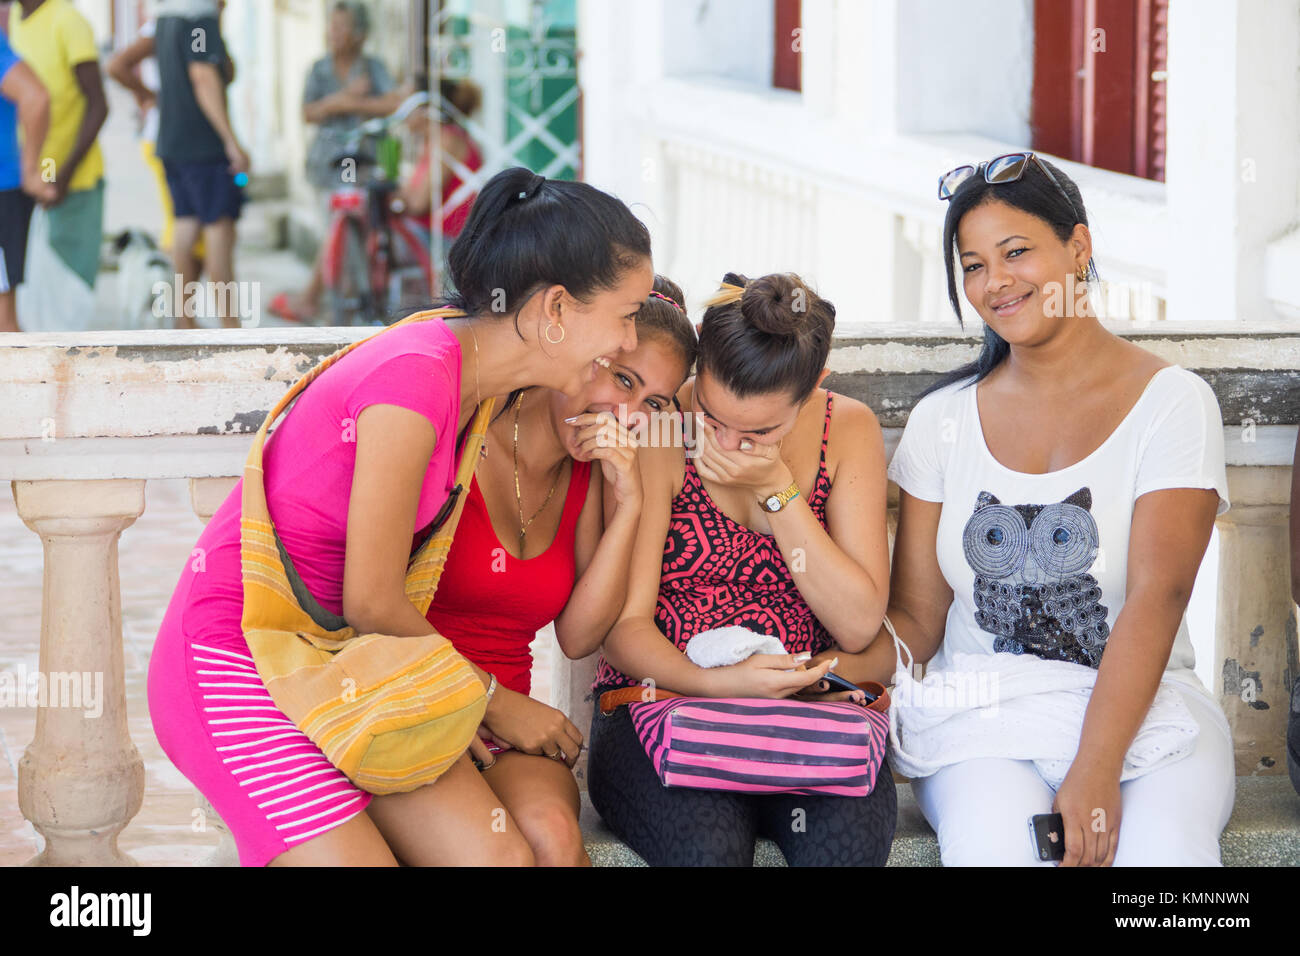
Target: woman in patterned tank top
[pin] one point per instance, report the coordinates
(772, 519)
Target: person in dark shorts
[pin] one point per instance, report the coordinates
(22, 99)
(200, 154)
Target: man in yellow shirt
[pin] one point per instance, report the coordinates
(58, 44)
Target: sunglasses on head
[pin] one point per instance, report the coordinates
(1000, 169)
(1003, 169)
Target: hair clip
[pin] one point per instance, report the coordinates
(676, 305)
(533, 187)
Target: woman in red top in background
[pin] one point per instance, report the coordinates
(543, 538)
(459, 151)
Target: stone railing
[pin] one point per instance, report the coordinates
(90, 417)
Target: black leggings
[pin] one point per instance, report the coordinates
(683, 827)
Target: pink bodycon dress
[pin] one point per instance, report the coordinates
(213, 716)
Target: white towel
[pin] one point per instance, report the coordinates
(730, 645)
(1019, 707)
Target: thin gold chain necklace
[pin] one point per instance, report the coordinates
(519, 501)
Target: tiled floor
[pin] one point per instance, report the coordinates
(167, 831)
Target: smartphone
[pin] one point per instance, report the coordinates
(1047, 831)
(837, 682)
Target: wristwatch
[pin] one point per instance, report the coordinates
(776, 502)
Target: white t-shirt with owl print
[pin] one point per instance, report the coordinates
(1038, 563)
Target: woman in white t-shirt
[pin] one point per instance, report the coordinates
(1057, 496)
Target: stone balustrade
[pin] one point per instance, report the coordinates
(90, 417)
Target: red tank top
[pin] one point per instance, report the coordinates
(490, 604)
(453, 220)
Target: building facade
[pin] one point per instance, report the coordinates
(686, 114)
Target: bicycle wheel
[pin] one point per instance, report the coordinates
(349, 295)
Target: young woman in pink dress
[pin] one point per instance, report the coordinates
(551, 276)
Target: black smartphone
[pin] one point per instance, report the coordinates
(1047, 830)
(837, 682)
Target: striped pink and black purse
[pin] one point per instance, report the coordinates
(763, 746)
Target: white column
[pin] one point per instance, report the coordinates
(81, 779)
(1255, 630)
(1234, 121)
(820, 55)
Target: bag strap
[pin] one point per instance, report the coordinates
(449, 511)
(254, 495)
(425, 568)
(899, 646)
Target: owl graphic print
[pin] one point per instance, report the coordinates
(1038, 564)
(1032, 589)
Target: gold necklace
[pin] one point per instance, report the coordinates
(519, 501)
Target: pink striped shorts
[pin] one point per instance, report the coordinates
(215, 720)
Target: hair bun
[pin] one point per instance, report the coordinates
(777, 304)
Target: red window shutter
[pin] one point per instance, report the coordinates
(1055, 105)
(785, 58)
(1150, 89)
(1099, 89)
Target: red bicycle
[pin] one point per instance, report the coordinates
(376, 265)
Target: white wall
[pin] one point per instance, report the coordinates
(895, 92)
(726, 39)
(967, 66)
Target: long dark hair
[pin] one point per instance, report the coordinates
(1033, 193)
(525, 232)
(774, 336)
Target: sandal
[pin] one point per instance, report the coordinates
(281, 308)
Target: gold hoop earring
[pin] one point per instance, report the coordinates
(547, 333)
(1082, 274)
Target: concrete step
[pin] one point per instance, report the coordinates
(1264, 830)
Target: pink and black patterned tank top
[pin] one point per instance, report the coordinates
(719, 573)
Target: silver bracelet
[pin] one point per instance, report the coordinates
(492, 686)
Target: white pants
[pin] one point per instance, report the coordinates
(1173, 816)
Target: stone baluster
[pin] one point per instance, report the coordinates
(206, 496)
(571, 692)
(81, 779)
(1255, 630)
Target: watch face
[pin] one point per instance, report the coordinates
(774, 503)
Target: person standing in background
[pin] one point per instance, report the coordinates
(58, 44)
(142, 83)
(343, 89)
(200, 154)
(22, 100)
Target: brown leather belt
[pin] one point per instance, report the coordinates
(611, 700)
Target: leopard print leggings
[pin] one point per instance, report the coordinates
(682, 827)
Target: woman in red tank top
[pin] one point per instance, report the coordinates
(546, 535)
